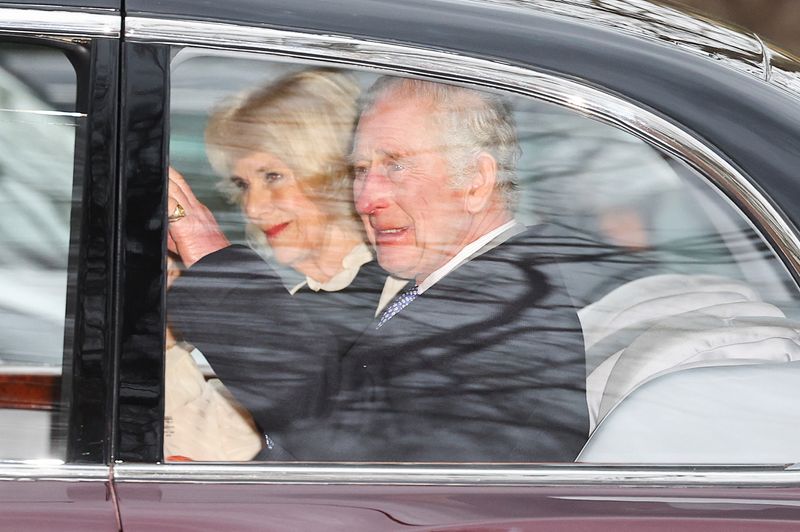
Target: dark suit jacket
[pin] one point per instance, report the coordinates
(277, 353)
(487, 365)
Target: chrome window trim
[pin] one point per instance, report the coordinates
(60, 23)
(450, 66)
(662, 24)
(766, 62)
(454, 475)
(53, 471)
(789, 80)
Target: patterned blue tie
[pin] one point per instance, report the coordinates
(399, 303)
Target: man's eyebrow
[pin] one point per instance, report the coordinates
(353, 157)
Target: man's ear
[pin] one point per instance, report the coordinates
(480, 190)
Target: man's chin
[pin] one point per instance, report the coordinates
(397, 266)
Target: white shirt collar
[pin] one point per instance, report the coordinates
(464, 255)
(391, 287)
(351, 263)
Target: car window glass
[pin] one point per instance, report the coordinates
(38, 121)
(509, 274)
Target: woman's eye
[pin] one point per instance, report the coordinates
(272, 177)
(239, 183)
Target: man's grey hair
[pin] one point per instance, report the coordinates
(473, 122)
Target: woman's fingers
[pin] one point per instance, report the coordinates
(172, 204)
(180, 189)
(171, 245)
(196, 233)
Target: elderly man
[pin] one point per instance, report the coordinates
(481, 357)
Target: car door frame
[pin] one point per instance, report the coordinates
(78, 490)
(141, 473)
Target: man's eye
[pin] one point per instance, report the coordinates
(272, 177)
(394, 167)
(360, 171)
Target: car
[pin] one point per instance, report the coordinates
(665, 145)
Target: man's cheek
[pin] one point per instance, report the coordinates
(368, 229)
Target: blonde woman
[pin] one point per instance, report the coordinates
(282, 152)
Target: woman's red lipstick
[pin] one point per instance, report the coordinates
(275, 229)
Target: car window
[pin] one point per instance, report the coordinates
(373, 268)
(38, 120)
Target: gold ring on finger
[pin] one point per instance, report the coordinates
(177, 214)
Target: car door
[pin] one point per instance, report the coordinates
(59, 100)
(617, 150)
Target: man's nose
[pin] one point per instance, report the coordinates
(372, 193)
(256, 203)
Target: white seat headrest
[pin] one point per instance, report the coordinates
(699, 338)
(708, 415)
(655, 297)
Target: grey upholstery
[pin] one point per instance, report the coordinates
(700, 338)
(692, 369)
(658, 323)
(736, 414)
(636, 305)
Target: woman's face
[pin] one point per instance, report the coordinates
(272, 200)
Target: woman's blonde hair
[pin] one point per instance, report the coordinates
(306, 119)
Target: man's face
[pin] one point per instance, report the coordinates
(415, 219)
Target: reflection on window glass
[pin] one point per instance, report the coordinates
(370, 268)
(37, 138)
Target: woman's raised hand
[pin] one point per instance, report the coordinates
(193, 230)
